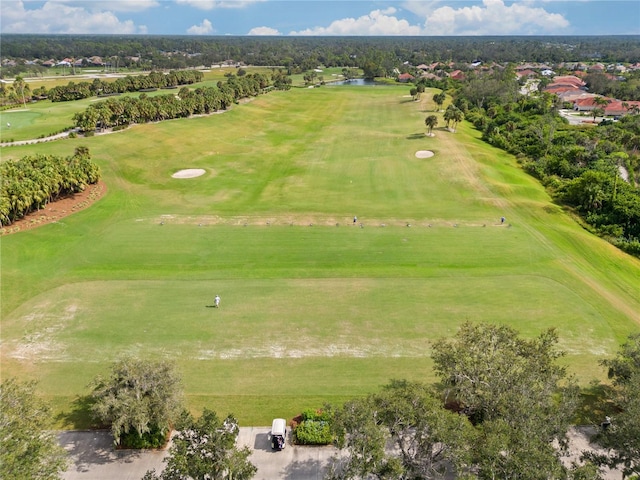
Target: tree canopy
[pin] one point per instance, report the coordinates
(28, 450)
(138, 397)
(428, 440)
(622, 438)
(205, 449)
(516, 394)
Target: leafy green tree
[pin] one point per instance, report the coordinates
(622, 438)
(28, 451)
(511, 389)
(22, 90)
(431, 121)
(139, 397)
(427, 439)
(205, 449)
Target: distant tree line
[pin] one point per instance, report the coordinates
(117, 112)
(595, 170)
(304, 53)
(154, 80)
(31, 182)
(603, 84)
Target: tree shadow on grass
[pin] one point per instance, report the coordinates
(79, 416)
(595, 404)
(416, 136)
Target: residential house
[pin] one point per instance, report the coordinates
(405, 77)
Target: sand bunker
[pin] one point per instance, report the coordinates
(189, 173)
(424, 154)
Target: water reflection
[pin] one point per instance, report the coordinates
(353, 82)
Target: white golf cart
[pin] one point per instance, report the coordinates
(278, 434)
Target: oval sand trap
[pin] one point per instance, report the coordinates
(424, 154)
(189, 173)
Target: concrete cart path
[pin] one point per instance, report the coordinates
(92, 457)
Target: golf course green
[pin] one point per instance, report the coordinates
(314, 307)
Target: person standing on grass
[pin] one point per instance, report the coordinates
(216, 301)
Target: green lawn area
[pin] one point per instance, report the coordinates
(314, 309)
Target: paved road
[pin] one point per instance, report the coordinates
(93, 457)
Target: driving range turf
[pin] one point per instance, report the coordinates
(314, 308)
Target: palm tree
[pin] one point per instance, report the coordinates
(20, 86)
(453, 115)
(597, 112)
(431, 121)
(439, 99)
(600, 102)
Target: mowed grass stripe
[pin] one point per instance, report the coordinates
(311, 310)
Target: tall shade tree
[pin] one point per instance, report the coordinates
(138, 397)
(622, 438)
(516, 394)
(431, 121)
(205, 449)
(428, 440)
(28, 450)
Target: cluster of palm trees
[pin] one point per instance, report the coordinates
(452, 116)
(130, 83)
(115, 112)
(30, 183)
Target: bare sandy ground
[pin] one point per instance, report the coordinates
(424, 154)
(189, 173)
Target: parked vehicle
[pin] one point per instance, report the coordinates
(278, 434)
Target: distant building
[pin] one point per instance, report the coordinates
(405, 77)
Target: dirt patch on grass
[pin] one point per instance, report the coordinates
(56, 211)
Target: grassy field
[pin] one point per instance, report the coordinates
(314, 309)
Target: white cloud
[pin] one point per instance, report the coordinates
(58, 17)
(263, 31)
(377, 22)
(205, 28)
(493, 17)
(212, 4)
(112, 5)
(421, 8)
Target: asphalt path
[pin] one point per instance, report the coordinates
(92, 457)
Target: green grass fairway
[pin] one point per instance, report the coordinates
(314, 308)
(38, 119)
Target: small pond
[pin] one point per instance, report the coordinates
(353, 82)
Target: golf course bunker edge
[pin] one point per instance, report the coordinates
(189, 173)
(424, 154)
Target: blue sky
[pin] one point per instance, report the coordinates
(322, 17)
